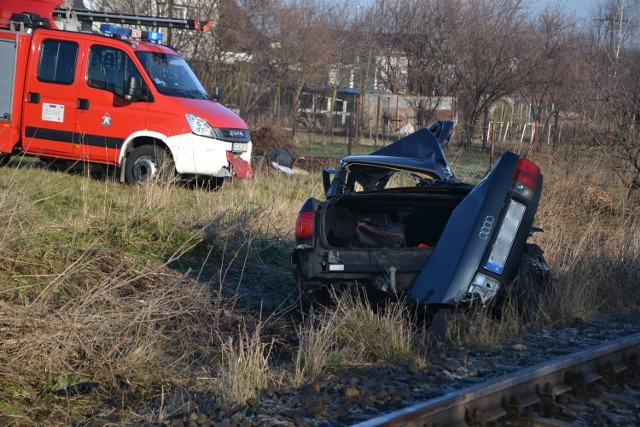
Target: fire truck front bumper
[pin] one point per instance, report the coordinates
(197, 155)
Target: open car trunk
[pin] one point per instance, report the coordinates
(388, 220)
(384, 238)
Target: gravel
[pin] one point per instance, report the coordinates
(358, 394)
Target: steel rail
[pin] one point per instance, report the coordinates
(491, 400)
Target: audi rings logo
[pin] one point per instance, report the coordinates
(486, 228)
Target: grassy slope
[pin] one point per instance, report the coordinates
(113, 284)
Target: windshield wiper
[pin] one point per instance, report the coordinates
(173, 90)
(202, 95)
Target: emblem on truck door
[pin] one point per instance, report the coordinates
(106, 120)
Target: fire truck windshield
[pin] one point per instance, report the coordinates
(171, 75)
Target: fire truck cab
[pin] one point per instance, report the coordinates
(116, 98)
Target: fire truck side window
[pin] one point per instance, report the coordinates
(110, 69)
(57, 61)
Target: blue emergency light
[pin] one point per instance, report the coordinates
(116, 31)
(154, 36)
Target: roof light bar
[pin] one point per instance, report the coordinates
(116, 31)
(152, 36)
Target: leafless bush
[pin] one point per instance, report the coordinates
(269, 137)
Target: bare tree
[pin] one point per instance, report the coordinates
(307, 47)
(425, 33)
(617, 90)
(487, 51)
(472, 49)
(425, 36)
(390, 24)
(556, 54)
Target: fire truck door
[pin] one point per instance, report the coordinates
(50, 97)
(105, 118)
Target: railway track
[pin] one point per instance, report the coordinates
(525, 394)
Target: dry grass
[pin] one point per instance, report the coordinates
(130, 328)
(316, 345)
(93, 290)
(478, 328)
(366, 335)
(590, 240)
(245, 368)
(350, 332)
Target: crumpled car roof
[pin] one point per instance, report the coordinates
(420, 152)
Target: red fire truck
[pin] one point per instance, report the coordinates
(117, 98)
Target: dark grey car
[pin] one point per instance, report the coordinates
(400, 225)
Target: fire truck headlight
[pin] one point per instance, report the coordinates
(199, 126)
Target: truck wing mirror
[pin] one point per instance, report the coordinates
(215, 93)
(134, 90)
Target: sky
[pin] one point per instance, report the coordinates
(583, 9)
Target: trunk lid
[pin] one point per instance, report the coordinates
(463, 248)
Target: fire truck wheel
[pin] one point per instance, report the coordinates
(4, 159)
(148, 163)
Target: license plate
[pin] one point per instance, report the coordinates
(239, 146)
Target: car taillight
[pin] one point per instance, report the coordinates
(526, 178)
(304, 225)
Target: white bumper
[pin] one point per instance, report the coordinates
(195, 154)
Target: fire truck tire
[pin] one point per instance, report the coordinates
(4, 158)
(149, 163)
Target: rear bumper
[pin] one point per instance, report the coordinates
(314, 267)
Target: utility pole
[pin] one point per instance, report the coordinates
(485, 129)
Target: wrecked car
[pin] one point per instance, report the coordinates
(399, 225)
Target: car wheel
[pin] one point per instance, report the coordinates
(149, 163)
(531, 284)
(214, 183)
